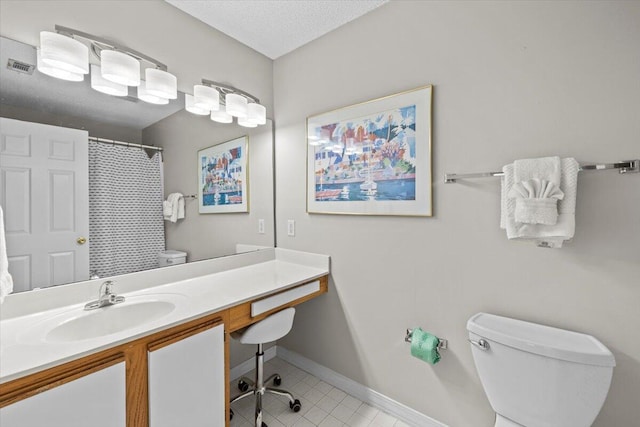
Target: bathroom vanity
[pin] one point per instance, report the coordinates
(160, 358)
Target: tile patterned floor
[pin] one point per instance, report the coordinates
(322, 404)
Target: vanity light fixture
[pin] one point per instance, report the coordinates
(243, 121)
(120, 68)
(65, 54)
(145, 96)
(103, 85)
(236, 105)
(206, 97)
(161, 84)
(257, 113)
(226, 102)
(221, 116)
(56, 72)
(190, 106)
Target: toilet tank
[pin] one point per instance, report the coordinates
(171, 257)
(537, 375)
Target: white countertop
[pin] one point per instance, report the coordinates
(24, 350)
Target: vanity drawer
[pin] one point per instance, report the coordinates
(253, 311)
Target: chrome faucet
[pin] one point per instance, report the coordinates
(105, 298)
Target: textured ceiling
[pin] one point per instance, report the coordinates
(276, 27)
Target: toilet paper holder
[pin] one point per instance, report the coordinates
(442, 343)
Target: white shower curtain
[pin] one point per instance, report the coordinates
(126, 227)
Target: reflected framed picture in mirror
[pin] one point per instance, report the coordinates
(223, 185)
(372, 158)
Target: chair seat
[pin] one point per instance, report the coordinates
(270, 329)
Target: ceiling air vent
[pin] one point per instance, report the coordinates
(21, 67)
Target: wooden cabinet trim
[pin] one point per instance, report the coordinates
(240, 315)
(182, 334)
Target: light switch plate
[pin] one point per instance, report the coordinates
(291, 228)
(261, 226)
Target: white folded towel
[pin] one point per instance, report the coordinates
(537, 190)
(551, 236)
(6, 282)
(173, 207)
(536, 201)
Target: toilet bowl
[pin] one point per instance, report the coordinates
(535, 375)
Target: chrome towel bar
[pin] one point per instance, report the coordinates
(627, 166)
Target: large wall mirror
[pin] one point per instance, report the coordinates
(127, 175)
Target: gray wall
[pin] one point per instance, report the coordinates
(182, 135)
(511, 80)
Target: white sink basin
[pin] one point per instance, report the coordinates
(109, 320)
(78, 324)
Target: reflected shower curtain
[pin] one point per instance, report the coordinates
(126, 226)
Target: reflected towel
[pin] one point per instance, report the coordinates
(6, 282)
(424, 346)
(173, 207)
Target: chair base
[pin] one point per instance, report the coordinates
(257, 388)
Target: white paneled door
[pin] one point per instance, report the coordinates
(44, 192)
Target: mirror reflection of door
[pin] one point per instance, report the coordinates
(44, 194)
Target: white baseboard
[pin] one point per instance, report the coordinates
(367, 395)
(248, 365)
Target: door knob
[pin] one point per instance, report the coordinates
(81, 240)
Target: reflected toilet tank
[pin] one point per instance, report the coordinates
(535, 375)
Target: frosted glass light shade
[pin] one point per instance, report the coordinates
(206, 97)
(190, 106)
(236, 105)
(105, 86)
(161, 84)
(257, 113)
(151, 99)
(221, 116)
(57, 72)
(64, 53)
(242, 121)
(120, 68)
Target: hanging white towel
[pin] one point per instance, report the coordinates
(6, 282)
(536, 189)
(551, 236)
(173, 207)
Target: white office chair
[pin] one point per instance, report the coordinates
(270, 329)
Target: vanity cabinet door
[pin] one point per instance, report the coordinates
(187, 381)
(96, 400)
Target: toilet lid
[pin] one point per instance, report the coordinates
(543, 340)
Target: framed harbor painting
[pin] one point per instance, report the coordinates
(372, 158)
(223, 184)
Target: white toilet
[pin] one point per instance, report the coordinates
(538, 376)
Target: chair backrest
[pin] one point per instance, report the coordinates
(270, 329)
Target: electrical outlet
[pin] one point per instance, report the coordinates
(291, 228)
(261, 226)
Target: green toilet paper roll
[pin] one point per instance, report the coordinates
(424, 346)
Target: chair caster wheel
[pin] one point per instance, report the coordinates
(277, 380)
(243, 386)
(295, 406)
(230, 414)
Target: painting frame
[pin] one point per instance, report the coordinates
(223, 177)
(372, 158)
